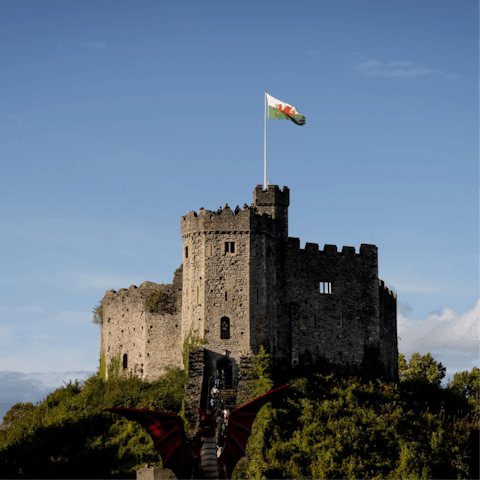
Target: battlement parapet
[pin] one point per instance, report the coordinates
(311, 247)
(225, 220)
(366, 251)
(134, 294)
(330, 249)
(273, 195)
(385, 289)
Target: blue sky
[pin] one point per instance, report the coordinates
(119, 117)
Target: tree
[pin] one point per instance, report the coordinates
(468, 384)
(98, 315)
(16, 412)
(421, 368)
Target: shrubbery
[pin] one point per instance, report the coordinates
(329, 426)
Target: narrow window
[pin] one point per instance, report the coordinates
(225, 328)
(326, 287)
(229, 247)
(226, 247)
(125, 360)
(232, 247)
(225, 296)
(186, 252)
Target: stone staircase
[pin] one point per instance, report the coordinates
(228, 396)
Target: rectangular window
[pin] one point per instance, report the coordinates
(229, 247)
(326, 287)
(186, 252)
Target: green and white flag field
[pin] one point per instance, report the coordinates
(283, 111)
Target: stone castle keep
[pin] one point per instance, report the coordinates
(244, 282)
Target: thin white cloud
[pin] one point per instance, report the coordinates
(371, 63)
(10, 120)
(99, 45)
(418, 284)
(375, 67)
(400, 64)
(34, 387)
(84, 281)
(22, 309)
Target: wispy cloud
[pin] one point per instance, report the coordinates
(100, 45)
(425, 285)
(22, 309)
(390, 69)
(9, 120)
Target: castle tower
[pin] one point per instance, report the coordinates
(229, 275)
(274, 202)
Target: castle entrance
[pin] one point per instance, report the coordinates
(226, 364)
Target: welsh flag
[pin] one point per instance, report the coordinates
(283, 111)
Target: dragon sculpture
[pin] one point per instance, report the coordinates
(198, 459)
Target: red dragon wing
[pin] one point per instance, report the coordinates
(239, 430)
(166, 430)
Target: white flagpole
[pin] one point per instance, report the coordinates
(265, 147)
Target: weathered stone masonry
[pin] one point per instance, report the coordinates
(241, 270)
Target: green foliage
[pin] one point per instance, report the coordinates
(467, 384)
(102, 367)
(192, 341)
(421, 369)
(68, 436)
(98, 314)
(259, 377)
(329, 427)
(160, 301)
(351, 427)
(114, 370)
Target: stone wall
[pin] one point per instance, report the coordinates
(242, 390)
(338, 323)
(154, 473)
(193, 389)
(388, 330)
(151, 341)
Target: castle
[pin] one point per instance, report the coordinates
(244, 282)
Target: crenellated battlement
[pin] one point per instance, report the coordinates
(134, 293)
(366, 250)
(382, 285)
(225, 220)
(272, 196)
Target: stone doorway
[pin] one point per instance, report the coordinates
(226, 364)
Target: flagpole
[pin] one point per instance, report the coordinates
(265, 147)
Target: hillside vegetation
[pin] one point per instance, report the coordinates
(330, 426)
